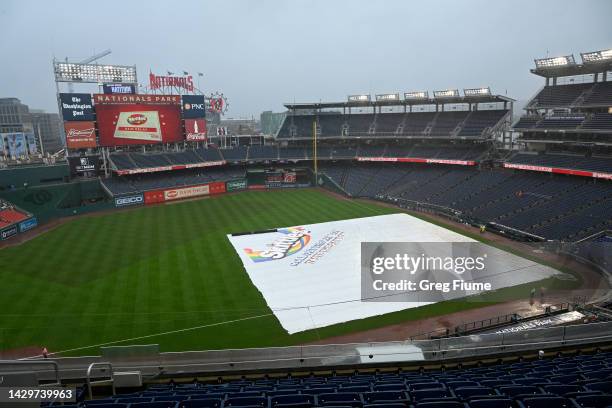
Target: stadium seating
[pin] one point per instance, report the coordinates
(391, 124)
(599, 121)
(236, 154)
(527, 122)
(144, 182)
(559, 95)
(597, 164)
(549, 206)
(479, 121)
(132, 160)
(520, 384)
(560, 122)
(600, 95)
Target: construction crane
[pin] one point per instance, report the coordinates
(95, 57)
(89, 61)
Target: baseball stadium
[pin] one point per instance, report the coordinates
(424, 248)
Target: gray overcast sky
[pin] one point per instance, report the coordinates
(262, 53)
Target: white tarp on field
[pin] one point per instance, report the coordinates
(310, 275)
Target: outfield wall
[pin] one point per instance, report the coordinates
(48, 202)
(31, 176)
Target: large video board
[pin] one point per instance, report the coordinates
(130, 124)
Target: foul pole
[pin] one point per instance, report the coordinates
(314, 150)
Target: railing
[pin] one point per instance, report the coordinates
(5, 366)
(337, 356)
(106, 381)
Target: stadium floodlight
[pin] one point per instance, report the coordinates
(388, 97)
(596, 56)
(94, 73)
(555, 62)
(447, 93)
(471, 92)
(359, 98)
(416, 95)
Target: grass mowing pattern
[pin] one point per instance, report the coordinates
(163, 268)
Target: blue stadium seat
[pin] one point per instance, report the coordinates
(320, 390)
(246, 401)
(384, 396)
(496, 383)
(425, 386)
(491, 403)
(594, 401)
(291, 391)
(108, 405)
(355, 388)
(241, 394)
(515, 390)
(340, 398)
(603, 386)
(561, 389)
(440, 404)
(457, 384)
(430, 394)
(547, 401)
(201, 403)
(172, 404)
(292, 399)
(390, 387)
(100, 403)
(471, 392)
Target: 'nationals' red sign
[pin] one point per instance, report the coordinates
(162, 81)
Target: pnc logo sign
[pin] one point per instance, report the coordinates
(197, 106)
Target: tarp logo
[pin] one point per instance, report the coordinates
(294, 240)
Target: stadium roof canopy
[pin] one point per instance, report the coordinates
(404, 102)
(594, 62)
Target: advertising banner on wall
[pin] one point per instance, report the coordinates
(159, 196)
(236, 185)
(80, 135)
(195, 129)
(32, 147)
(119, 88)
(138, 124)
(186, 192)
(8, 232)
(135, 199)
(194, 191)
(76, 106)
(16, 143)
(84, 164)
(194, 106)
(28, 224)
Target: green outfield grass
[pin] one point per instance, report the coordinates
(164, 268)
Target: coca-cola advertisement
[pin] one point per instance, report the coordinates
(195, 129)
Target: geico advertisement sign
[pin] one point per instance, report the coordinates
(179, 193)
(131, 200)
